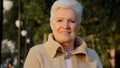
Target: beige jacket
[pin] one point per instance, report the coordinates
(51, 55)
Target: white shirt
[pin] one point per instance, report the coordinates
(68, 63)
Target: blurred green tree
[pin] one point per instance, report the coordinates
(99, 27)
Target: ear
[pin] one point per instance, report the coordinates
(51, 25)
(78, 27)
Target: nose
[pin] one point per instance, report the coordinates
(66, 25)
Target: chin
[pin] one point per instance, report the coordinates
(66, 40)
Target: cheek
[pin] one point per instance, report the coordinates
(52, 24)
(55, 27)
(75, 28)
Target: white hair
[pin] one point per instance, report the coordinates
(72, 4)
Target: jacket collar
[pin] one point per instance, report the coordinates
(81, 46)
(51, 47)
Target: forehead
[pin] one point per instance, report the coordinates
(65, 12)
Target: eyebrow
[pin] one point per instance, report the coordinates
(63, 18)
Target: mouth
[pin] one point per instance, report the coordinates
(65, 32)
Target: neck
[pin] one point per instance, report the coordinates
(68, 46)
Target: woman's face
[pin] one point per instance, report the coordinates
(64, 25)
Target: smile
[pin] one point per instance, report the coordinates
(64, 32)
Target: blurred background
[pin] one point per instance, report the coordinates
(25, 23)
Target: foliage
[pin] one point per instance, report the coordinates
(7, 48)
(99, 27)
(100, 18)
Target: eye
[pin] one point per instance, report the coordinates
(59, 20)
(72, 21)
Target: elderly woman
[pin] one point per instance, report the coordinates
(64, 49)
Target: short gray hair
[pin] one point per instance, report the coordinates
(73, 4)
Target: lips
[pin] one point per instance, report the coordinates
(66, 32)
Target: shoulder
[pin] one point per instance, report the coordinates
(92, 54)
(34, 56)
(91, 51)
(36, 51)
(37, 48)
